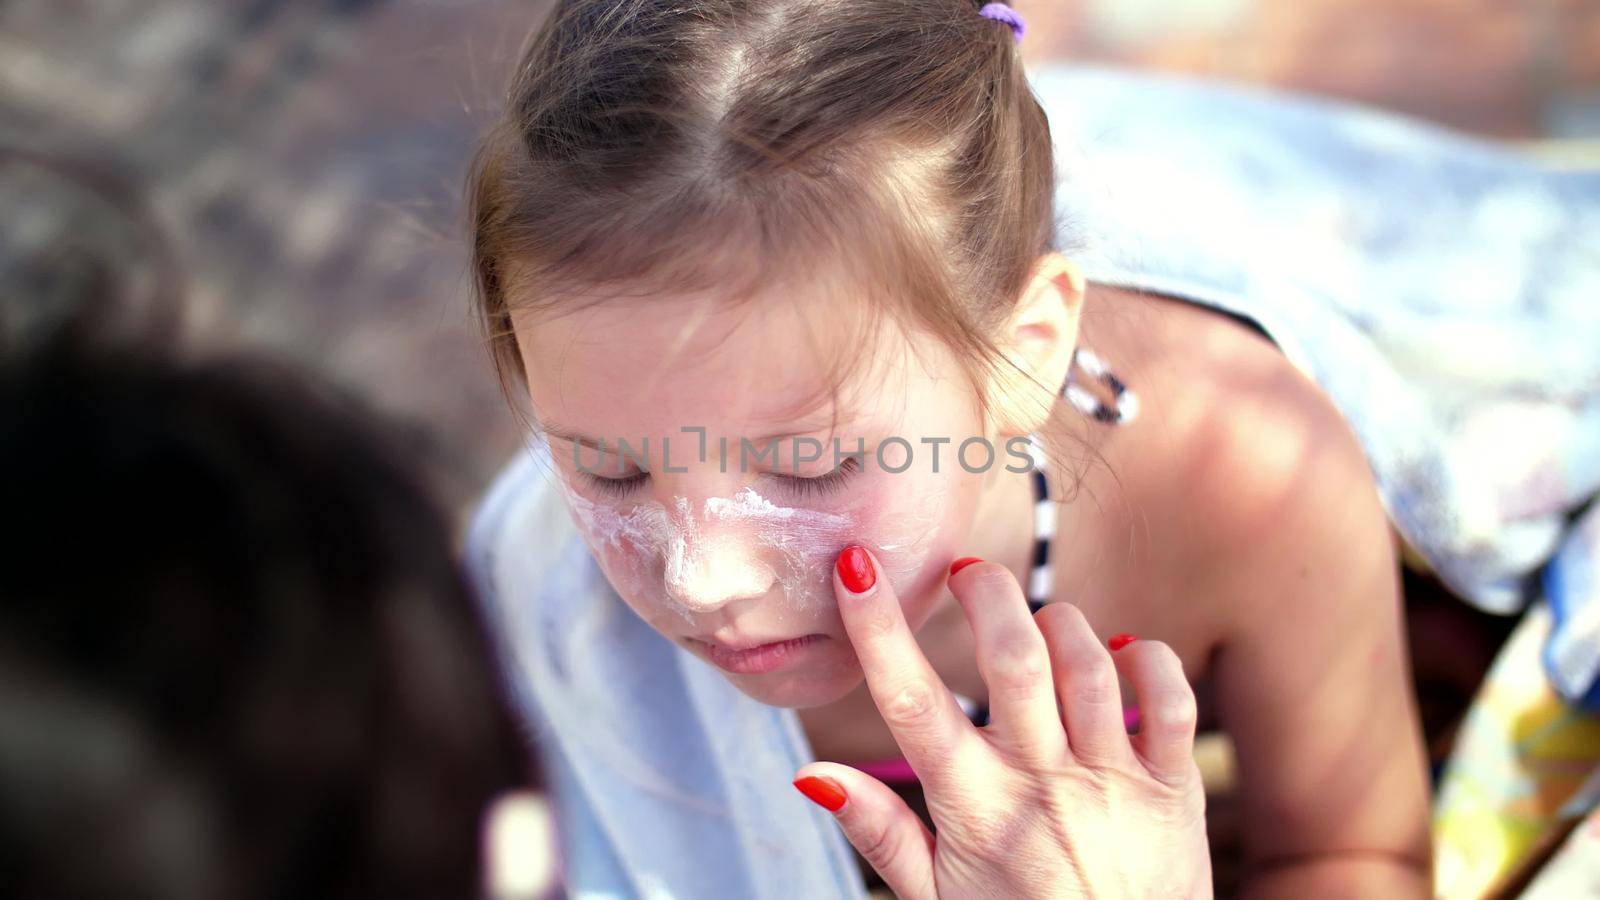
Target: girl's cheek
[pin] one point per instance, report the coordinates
(912, 535)
(624, 543)
(629, 568)
(904, 520)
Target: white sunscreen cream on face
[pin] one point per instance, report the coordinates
(689, 561)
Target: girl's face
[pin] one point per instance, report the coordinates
(726, 546)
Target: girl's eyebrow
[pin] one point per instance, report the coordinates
(561, 432)
(804, 429)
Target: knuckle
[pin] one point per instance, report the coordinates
(1172, 711)
(1172, 705)
(878, 844)
(1019, 665)
(1059, 621)
(1093, 682)
(909, 704)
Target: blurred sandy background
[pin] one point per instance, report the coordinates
(305, 158)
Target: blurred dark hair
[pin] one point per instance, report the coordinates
(236, 656)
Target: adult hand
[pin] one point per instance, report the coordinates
(1052, 798)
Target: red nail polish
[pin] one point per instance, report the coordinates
(1118, 641)
(825, 792)
(855, 570)
(963, 562)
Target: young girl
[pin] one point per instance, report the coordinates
(805, 226)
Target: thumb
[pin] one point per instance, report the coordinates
(879, 824)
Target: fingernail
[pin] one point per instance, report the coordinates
(825, 792)
(855, 570)
(963, 562)
(1118, 641)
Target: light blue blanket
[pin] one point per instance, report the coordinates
(666, 780)
(1443, 292)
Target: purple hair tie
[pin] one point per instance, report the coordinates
(1005, 14)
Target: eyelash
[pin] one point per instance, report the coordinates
(614, 487)
(803, 488)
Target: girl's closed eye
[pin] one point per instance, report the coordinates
(801, 487)
(614, 487)
(818, 485)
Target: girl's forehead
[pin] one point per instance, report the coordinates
(771, 360)
(701, 326)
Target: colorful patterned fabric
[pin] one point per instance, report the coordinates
(1524, 760)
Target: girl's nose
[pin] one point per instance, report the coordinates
(710, 561)
(710, 565)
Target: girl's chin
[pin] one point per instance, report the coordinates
(799, 689)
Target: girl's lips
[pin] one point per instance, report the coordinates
(765, 658)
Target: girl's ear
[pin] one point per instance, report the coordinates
(1039, 339)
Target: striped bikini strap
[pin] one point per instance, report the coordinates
(1044, 528)
(1122, 409)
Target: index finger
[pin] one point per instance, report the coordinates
(921, 713)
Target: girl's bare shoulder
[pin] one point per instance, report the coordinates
(1235, 452)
